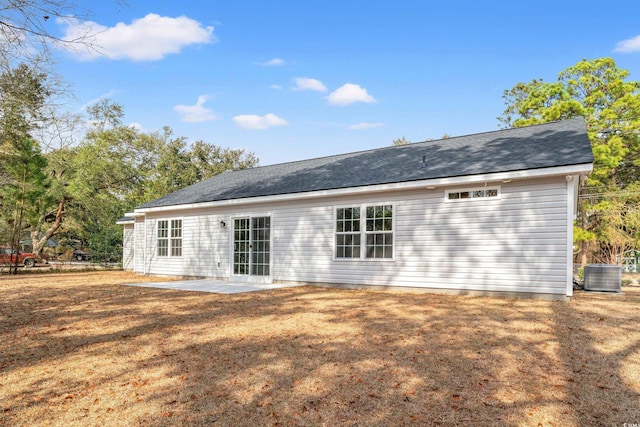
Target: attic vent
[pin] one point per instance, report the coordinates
(602, 277)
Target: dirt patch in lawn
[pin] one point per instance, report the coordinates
(78, 349)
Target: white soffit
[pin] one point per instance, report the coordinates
(407, 185)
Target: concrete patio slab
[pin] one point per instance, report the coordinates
(212, 285)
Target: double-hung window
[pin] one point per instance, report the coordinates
(379, 231)
(364, 232)
(176, 237)
(163, 238)
(169, 237)
(348, 233)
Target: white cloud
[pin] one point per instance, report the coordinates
(275, 62)
(195, 113)
(364, 125)
(348, 94)
(276, 87)
(305, 83)
(147, 39)
(253, 121)
(137, 126)
(628, 46)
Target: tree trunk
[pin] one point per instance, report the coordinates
(38, 243)
(17, 226)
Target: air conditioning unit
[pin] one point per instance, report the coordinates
(603, 277)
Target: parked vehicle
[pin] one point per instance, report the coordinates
(28, 259)
(81, 255)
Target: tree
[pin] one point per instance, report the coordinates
(101, 173)
(80, 190)
(401, 141)
(20, 195)
(404, 141)
(25, 29)
(209, 160)
(178, 166)
(23, 95)
(28, 35)
(598, 91)
(117, 167)
(617, 224)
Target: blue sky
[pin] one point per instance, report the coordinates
(292, 80)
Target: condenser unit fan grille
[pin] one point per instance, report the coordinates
(603, 277)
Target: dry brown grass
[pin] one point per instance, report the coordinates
(78, 349)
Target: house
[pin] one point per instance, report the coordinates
(479, 214)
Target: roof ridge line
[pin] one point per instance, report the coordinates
(401, 146)
(501, 130)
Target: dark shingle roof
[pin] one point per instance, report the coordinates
(561, 143)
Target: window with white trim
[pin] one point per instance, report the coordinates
(163, 237)
(472, 193)
(374, 230)
(176, 237)
(169, 237)
(379, 231)
(348, 233)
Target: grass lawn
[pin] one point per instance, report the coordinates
(79, 349)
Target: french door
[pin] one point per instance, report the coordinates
(252, 247)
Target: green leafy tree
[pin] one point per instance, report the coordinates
(617, 223)
(405, 141)
(23, 94)
(401, 141)
(104, 169)
(209, 160)
(117, 167)
(598, 91)
(177, 165)
(20, 196)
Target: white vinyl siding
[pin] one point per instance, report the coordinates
(205, 246)
(515, 242)
(139, 245)
(127, 247)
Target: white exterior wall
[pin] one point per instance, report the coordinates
(516, 243)
(139, 246)
(127, 247)
(205, 246)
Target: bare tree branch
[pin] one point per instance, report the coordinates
(27, 29)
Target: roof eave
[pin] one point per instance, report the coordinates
(125, 220)
(568, 170)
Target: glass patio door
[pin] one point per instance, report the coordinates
(252, 246)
